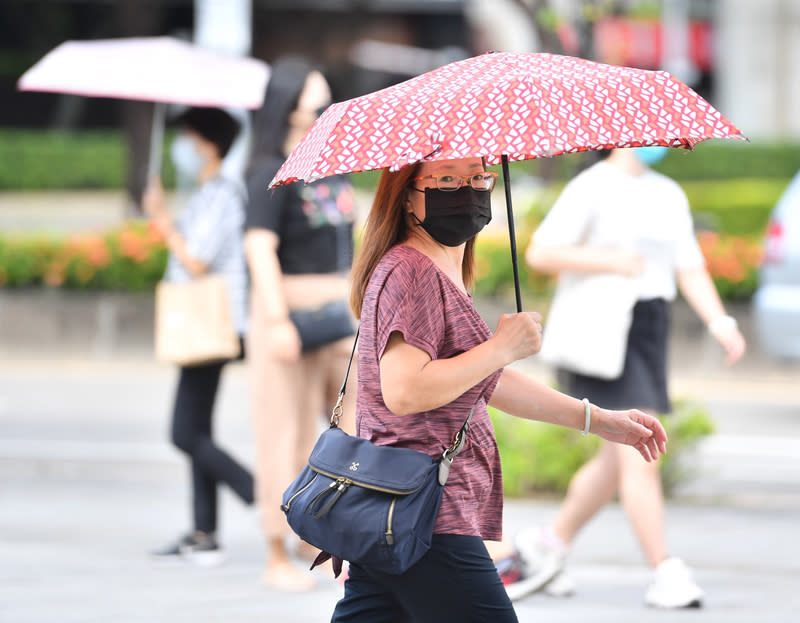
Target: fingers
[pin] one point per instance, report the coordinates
(735, 349)
(653, 439)
(652, 447)
(644, 450)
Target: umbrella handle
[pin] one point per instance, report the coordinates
(511, 234)
(156, 140)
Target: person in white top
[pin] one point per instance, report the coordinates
(619, 225)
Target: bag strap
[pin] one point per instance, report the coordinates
(449, 454)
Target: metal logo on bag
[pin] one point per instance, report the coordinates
(354, 466)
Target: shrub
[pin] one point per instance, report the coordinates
(494, 271)
(59, 159)
(733, 263)
(740, 206)
(24, 260)
(540, 458)
(31, 159)
(726, 160)
(131, 257)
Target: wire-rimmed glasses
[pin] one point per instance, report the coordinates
(449, 182)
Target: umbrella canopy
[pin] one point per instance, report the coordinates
(155, 69)
(517, 106)
(163, 70)
(504, 107)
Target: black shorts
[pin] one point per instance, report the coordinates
(643, 383)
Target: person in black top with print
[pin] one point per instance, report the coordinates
(299, 245)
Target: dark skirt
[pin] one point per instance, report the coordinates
(643, 383)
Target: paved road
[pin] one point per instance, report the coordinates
(88, 484)
(72, 551)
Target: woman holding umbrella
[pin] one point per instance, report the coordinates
(425, 358)
(207, 239)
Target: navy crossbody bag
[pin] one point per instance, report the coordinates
(368, 504)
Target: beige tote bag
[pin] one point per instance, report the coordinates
(193, 323)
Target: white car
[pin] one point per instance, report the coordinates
(776, 303)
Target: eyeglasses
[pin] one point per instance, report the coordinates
(448, 182)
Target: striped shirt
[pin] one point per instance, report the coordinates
(409, 294)
(212, 226)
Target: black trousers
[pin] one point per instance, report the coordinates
(455, 580)
(192, 433)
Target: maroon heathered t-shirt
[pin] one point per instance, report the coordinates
(409, 294)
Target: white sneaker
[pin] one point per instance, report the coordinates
(563, 585)
(673, 587)
(541, 563)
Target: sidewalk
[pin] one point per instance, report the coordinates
(73, 551)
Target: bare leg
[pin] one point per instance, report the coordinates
(592, 487)
(274, 389)
(642, 499)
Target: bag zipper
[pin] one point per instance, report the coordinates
(389, 535)
(285, 508)
(366, 486)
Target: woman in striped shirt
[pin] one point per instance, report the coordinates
(425, 358)
(207, 238)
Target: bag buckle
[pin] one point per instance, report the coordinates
(336, 413)
(456, 445)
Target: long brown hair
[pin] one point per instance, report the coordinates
(385, 227)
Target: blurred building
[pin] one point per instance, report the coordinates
(426, 33)
(757, 57)
(742, 55)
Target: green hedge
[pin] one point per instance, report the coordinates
(64, 160)
(710, 160)
(45, 160)
(738, 206)
(541, 458)
(727, 159)
(51, 159)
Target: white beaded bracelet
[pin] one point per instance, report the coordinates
(587, 409)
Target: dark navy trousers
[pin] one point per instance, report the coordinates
(456, 580)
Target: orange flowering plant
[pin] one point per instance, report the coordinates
(732, 261)
(131, 257)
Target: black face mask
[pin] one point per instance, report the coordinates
(453, 217)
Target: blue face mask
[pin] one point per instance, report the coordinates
(185, 156)
(651, 155)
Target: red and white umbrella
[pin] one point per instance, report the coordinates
(521, 106)
(164, 70)
(504, 107)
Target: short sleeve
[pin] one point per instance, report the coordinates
(567, 222)
(687, 251)
(411, 302)
(220, 216)
(265, 205)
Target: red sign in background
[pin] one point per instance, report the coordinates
(639, 43)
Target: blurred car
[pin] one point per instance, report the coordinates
(776, 303)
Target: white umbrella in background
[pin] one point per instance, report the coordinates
(164, 70)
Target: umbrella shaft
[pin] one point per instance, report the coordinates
(156, 140)
(511, 233)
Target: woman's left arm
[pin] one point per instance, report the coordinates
(698, 289)
(525, 397)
